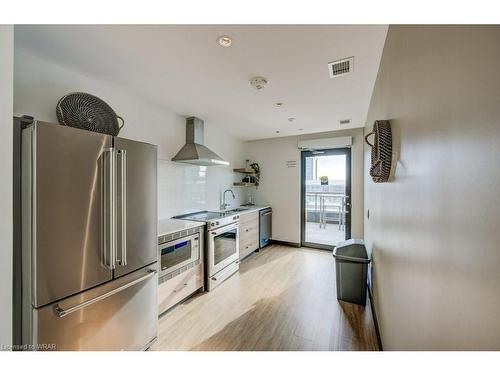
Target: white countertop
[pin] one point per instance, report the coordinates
(168, 226)
(249, 209)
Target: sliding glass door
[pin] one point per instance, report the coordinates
(326, 194)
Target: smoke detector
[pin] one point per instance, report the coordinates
(258, 82)
(341, 67)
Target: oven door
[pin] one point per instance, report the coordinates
(223, 247)
(176, 254)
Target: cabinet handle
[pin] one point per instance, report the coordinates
(177, 290)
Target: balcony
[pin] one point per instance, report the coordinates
(325, 213)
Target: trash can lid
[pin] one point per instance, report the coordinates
(352, 250)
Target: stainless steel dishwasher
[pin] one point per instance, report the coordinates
(265, 227)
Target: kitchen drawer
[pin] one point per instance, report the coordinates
(222, 275)
(174, 290)
(249, 217)
(249, 233)
(248, 247)
(250, 236)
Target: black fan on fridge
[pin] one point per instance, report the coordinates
(86, 111)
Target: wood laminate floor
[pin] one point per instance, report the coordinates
(283, 298)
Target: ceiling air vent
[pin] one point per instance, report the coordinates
(345, 122)
(340, 67)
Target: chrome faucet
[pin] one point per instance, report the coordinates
(225, 205)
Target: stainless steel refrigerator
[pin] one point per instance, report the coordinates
(89, 240)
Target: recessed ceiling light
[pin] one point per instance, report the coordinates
(258, 82)
(291, 119)
(225, 41)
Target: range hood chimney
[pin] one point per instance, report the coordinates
(194, 152)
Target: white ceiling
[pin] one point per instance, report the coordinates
(182, 67)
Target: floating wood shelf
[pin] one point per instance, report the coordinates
(244, 184)
(245, 170)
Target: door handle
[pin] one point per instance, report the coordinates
(108, 208)
(122, 154)
(60, 312)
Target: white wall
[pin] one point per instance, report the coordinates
(39, 84)
(280, 185)
(434, 231)
(6, 87)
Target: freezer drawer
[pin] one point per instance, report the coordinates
(120, 315)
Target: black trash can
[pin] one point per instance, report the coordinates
(351, 263)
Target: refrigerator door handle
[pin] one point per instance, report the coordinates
(122, 154)
(108, 212)
(60, 312)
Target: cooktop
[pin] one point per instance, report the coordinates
(202, 216)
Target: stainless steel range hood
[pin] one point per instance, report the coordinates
(194, 152)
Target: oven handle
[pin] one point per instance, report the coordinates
(224, 229)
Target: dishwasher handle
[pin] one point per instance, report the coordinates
(266, 212)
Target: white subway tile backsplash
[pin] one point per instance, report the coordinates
(184, 188)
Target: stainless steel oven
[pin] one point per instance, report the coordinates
(178, 253)
(223, 248)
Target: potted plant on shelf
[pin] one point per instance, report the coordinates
(256, 168)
